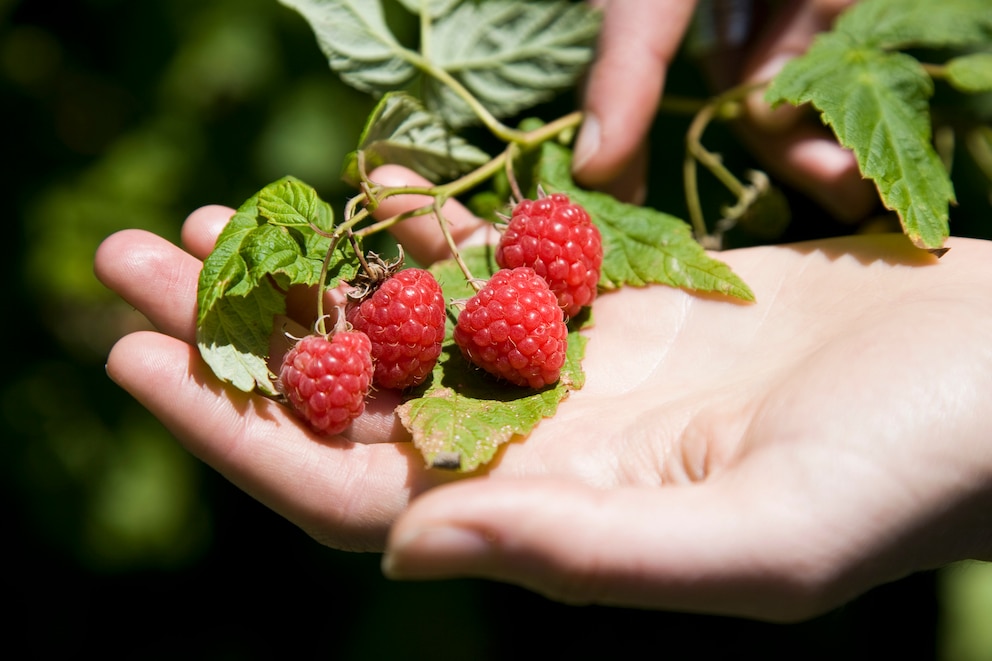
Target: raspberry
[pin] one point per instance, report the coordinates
(404, 318)
(513, 328)
(560, 242)
(326, 379)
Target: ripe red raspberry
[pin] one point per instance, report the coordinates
(326, 379)
(513, 328)
(404, 318)
(560, 242)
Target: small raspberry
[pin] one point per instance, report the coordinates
(326, 379)
(404, 318)
(513, 328)
(560, 242)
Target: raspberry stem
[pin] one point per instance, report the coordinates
(695, 152)
(453, 246)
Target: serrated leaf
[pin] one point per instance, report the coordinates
(641, 246)
(357, 42)
(876, 102)
(234, 338)
(897, 24)
(462, 416)
(434, 8)
(402, 132)
(509, 54)
(971, 73)
(268, 245)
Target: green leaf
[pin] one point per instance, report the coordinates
(509, 54)
(462, 415)
(357, 42)
(641, 246)
(400, 131)
(971, 73)
(268, 245)
(234, 338)
(434, 8)
(898, 24)
(876, 102)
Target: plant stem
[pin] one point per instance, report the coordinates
(695, 152)
(496, 127)
(452, 245)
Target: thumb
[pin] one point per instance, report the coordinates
(637, 43)
(692, 548)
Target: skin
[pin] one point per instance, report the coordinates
(638, 42)
(768, 460)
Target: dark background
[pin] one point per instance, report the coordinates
(131, 114)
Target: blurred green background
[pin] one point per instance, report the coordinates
(132, 114)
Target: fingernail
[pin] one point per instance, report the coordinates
(434, 552)
(587, 144)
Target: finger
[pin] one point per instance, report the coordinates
(344, 494)
(789, 34)
(154, 276)
(638, 40)
(202, 227)
(809, 158)
(697, 548)
(421, 236)
(631, 184)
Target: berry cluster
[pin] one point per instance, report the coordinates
(550, 255)
(514, 327)
(397, 322)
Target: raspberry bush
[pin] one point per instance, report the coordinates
(481, 64)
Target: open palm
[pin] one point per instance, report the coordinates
(771, 459)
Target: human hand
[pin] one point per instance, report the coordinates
(638, 41)
(768, 460)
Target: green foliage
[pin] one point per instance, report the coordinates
(510, 55)
(277, 239)
(507, 54)
(400, 131)
(876, 98)
(971, 73)
(478, 62)
(641, 245)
